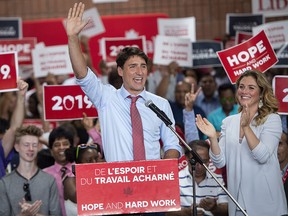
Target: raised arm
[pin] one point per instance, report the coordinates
(191, 132)
(168, 80)
(74, 25)
(17, 118)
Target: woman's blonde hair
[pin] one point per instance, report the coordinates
(270, 103)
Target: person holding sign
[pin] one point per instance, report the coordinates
(115, 106)
(8, 139)
(248, 147)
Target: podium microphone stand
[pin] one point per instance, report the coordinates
(193, 165)
(196, 158)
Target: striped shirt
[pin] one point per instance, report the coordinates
(207, 188)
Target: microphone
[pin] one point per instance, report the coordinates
(158, 112)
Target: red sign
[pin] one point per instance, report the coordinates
(242, 36)
(129, 26)
(127, 187)
(112, 46)
(183, 162)
(8, 71)
(39, 123)
(280, 87)
(23, 46)
(66, 102)
(253, 54)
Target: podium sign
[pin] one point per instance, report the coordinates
(127, 187)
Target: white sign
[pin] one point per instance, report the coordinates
(277, 32)
(52, 59)
(173, 49)
(95, 25)
(177, 27)
(270, 8)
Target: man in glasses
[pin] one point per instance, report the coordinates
(28, 190)
(228, 107)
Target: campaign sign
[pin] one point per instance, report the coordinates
(282, 56)
(253, 54)
(127, 187)
(38, 123)
(51, 59)
(183, 163)
(177, 27)
(66, 103)
(8, 71)
(277, 32)
(204, 53)
(129, 26)
(280, 88)
(242, 36)
(10, 27)
(94, 26)
(270, 8)
(112, 46)
(173, 49)
(23, 46)
(242, 22)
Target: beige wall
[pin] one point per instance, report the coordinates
(210, 14)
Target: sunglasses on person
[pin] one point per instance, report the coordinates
(229, 99)
(27, 192)
(84, 146)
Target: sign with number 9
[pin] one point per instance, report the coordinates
(8, 71)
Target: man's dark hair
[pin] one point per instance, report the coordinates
(206, 75)
(115, 79)
(60, 132)
(127, 52)
(195, 144)
(225, 87)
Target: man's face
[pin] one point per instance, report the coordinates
(200, 170)
(227, 99)
(283, 149)
(28, 147)
(180, 91)
(134, 74)
(208, 85)
(58, 150)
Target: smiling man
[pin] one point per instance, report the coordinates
(28, 190)
(113, 105)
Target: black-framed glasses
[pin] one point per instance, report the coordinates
(27, 192)
(83, 146)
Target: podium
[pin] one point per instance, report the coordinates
(127, 187)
